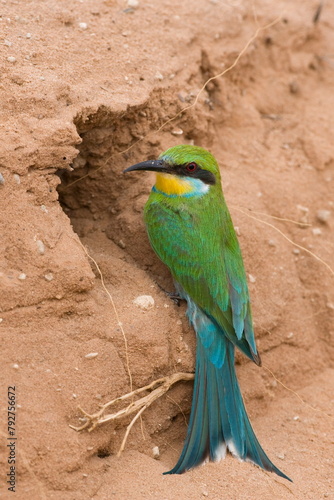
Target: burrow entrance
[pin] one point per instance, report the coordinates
(96, 196)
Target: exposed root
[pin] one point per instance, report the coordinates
(157, 389)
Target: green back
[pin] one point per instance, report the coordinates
(195, 238)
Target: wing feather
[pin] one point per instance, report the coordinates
(204, 257)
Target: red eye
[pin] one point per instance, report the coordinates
(191, 167)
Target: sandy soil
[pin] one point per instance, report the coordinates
(80, 83)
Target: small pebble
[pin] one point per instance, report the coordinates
(2, 180)
(133, 4)
(281, 456)
(11, 59)
(296, 417)
(91, 355)
(90, 448)
(294, 87)
(158, 76)
(144, 302)
(237, 230)
(205, 493)
(40, 247)
(316, 231)
(44, 209)
(296, 251)
(15, 366)
(121, 244)
(177, 131)
(7, 43)
(182, 96)
(84, 475)
(1, 320)
(323, 215)
(305, 211)
(272, 243)
(252, 279)
(156, 452)
(48, 277)
(83, 26)
(22, 276)
(330, 305)
(74, 396)
(28, 35)
(17, 178)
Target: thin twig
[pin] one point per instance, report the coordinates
(137, 407)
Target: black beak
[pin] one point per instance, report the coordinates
(151, 165)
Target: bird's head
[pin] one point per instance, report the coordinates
(183, 171)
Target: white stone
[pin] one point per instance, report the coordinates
(40, 247)
(91, 355)
(158, 76)
(133, 3)
(323, 215)
(144, 302)
(177, 131)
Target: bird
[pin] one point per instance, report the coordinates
(190, 229)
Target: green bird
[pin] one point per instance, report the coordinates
(190, 229)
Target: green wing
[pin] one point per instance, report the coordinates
(202, 252)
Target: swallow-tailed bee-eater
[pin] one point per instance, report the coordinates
(190, 229)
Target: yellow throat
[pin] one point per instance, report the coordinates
(173, 185)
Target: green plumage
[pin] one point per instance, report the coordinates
(194, 236)
(192, 233)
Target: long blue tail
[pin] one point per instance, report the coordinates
(218, 419)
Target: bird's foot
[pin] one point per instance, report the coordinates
(174, 296)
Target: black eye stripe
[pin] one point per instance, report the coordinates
(198, 173)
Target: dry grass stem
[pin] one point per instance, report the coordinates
(157, 389)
